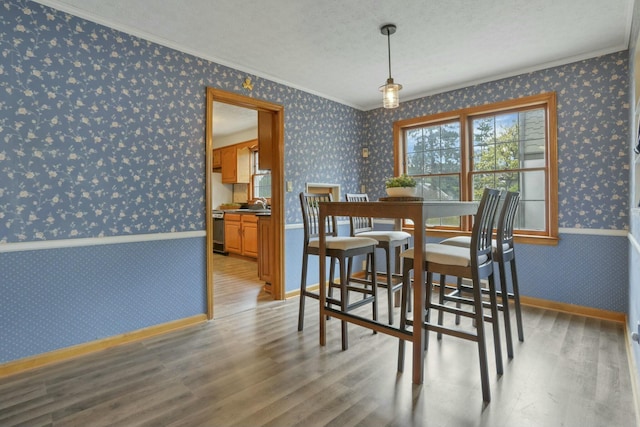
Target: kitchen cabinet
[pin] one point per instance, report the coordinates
(232, 233)
(235, 165)
(241, 234)
(217, 158)
(265, 255)
(249, 235)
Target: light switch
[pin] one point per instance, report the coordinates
(365, 152)
(289, 186)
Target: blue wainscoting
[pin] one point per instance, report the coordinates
(56, 298)
(583, 269)
(589, 270)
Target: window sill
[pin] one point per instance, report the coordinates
(526, 240)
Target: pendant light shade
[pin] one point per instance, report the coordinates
(390, 90)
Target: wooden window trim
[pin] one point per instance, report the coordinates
(549, 102)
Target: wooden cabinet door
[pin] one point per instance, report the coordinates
(217, 158)
(250, 235)
(229, 164)
(235, 165)
(233, 233)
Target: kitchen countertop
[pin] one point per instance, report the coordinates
(261, 212)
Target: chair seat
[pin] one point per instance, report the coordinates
(344, 243)
(386, 236)
(465, 242)
(446, 255)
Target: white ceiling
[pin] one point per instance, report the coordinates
(334, 48)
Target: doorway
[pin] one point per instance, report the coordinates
(272, 148)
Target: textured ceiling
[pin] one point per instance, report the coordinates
(333, 48)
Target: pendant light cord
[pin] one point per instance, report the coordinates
(389, 50)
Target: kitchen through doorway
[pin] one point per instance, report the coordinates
(233, 284)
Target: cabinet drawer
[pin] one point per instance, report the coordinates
(232, 217)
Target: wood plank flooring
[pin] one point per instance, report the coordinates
(253, 368)
(236, 286)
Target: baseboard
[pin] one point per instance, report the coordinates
(574, 309)
(295, 293)
(534, 302)
(63, 354)
(633, 371)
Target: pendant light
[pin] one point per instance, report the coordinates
(390, 96)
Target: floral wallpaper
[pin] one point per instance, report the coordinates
(102, 133)
(593, 116)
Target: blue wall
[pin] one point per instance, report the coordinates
(593, 117)
(61, 297)
(591, 268)
(102, 135)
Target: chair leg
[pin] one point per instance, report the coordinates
(459, 294)
(427, 304)
(516, 298)
(443, 279)
(482, 350)
(389, 286)
(494, 322)
(504, 293)
(374, 286)
(332, 273)
(303, 291)
(344, 301)
(406, 289)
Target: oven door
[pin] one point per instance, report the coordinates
(218, 234)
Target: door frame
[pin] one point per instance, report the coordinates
(277, 185)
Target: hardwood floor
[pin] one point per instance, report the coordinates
(236, 286)
(253, 368)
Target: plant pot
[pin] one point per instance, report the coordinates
(401, 191)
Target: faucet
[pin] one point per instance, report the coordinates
(262, 202)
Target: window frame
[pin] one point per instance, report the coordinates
(464, 118)
(255, 168)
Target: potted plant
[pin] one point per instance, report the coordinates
(401, 186)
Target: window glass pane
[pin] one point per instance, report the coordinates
(433, 149)
(532, 125)
(262, 186)
(507, 141)
(530, 185)
(446, 187)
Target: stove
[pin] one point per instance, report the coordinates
(218, 232)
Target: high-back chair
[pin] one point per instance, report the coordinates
(474, 262)
(341, 249)
(503, 254)
(390, 241)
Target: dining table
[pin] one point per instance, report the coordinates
(417, 212)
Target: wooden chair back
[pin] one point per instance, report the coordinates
(310, 204)
(359, 224)
(506, 220)
(481, 236)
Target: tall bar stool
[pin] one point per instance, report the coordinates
(390, 241)
(474, 262)
(504, 254)
(341, 249)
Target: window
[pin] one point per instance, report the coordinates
(260, 179)
(510, 146)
